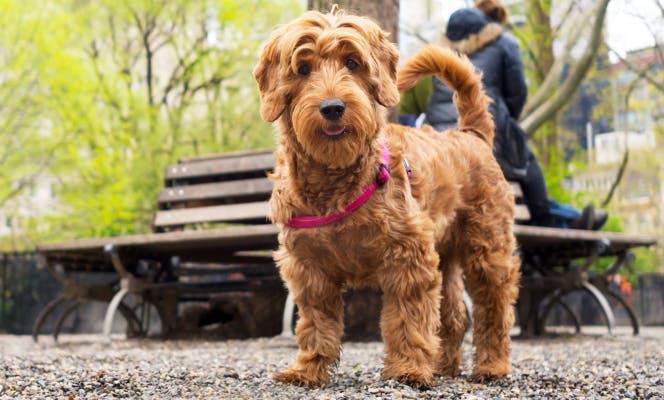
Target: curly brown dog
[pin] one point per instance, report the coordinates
(350, 215)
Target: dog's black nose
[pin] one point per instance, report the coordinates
(332, 109)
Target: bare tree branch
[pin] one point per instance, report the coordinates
(623, 164)
(185, 64)
(548, 109)
(641, 72)
(552, 79)
(414, 33)
(616, 182)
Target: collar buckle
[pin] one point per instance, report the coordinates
(383, 174)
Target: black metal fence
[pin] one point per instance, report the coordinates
(649, 298)
(25, 289)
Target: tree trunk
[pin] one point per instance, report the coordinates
(385, 13)
(538, 16)
(540, 51)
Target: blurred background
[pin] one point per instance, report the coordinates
(98, 96)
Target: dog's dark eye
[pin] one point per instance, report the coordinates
(351, 64)
(303, 70)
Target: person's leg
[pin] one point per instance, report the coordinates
(539, 205)
(535, 192)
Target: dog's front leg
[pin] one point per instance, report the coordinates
(411, 284)
(319, 327)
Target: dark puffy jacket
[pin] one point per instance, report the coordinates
(496, 54)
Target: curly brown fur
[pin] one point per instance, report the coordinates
(417, 240)
(458, 73)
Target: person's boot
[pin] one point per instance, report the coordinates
(600, 218)
(586, 220)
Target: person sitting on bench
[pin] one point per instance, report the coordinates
(479, 33)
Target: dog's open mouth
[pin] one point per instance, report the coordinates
(334, 131)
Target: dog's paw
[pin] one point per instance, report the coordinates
(482, 375)
(417, 379)
(421, 382)
(448, 371)
(300, 377)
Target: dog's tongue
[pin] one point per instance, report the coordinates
(334, 130)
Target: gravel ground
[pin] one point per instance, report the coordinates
(589, 366)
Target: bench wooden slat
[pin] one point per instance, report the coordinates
(540, 233)
(221, 166)
(257, 187)
(515, 188)
(521, 212)
(233, 154)
(223, 213)
(170, 241)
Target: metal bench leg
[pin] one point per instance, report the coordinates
(128, 283)
(45, 313)
(469, 309)
(575, 319)
(628, 308)
(557, 298)
(528, 306)
(603, 303)
(58, 325)
(625, 259)
(287, 321)
(247, 320)
(110, 311)
(134, 326)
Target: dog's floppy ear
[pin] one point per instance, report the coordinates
(386, 56)
(266, 72)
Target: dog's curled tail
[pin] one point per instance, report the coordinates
(458, 73)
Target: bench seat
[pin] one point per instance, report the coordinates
(572, 241)
(232, 238)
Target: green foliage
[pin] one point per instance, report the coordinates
(108, 93)
(647, 260)
(27, 140)
(536, 40)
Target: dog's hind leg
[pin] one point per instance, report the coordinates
(452, 317)
(410, 316)
(320, 325)
(492, 277)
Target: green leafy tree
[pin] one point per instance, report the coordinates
(568, 70)
(128, 87)
(27, 138)
(554, 78)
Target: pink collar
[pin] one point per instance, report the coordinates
(312, 221)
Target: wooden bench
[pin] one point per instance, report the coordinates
(210, 235)
(212, 220)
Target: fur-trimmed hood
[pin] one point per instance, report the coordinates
(469, 30)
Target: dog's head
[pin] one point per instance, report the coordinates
(331, 76)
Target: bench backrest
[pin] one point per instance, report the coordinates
(231, 188)
(228, 188)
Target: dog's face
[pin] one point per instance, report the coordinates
(331, 77)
